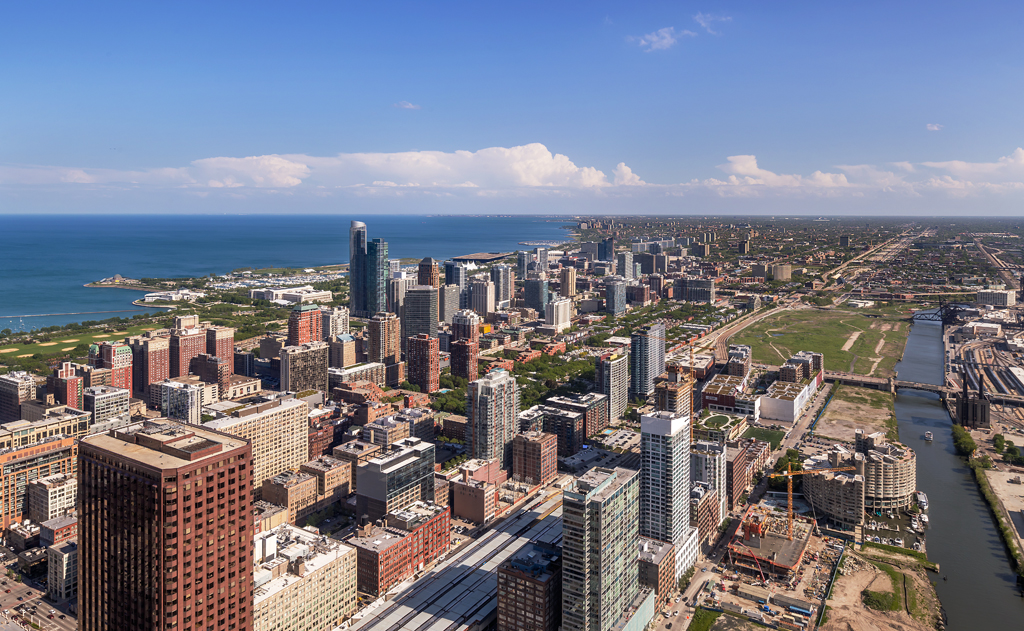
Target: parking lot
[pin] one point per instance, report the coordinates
(23, 603)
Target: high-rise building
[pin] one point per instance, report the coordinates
(357, 269)
(844, 241)
(396, 294)
(420, 312)
(449, 300)
(530, 589)
(615, 295)
(504, 284)
(278, 430)
(482, 295)
(535, 292)
(66, 386)
(140, 505)
(523, 260)
(455, 274)
(540, 255)
(606, 249)
(466, 326)
(665, 484)
(16, 388)
(708, 464)
(104, 403)
(304, 324)
(383, 343)
(567, 281)
(624, 265)
(465, 359)
(334, 321)
(743, 247)
(600, 539)
(592, 405)
(304, 367)
(213, 369)
(377, 274)
(220, 342)
(181, 401)
(187, 341)
(782, 271)
(117, 358)
(535, 457)
(151, 363)
(612, 377)
(492, 416)
(429, 274)
(424, 362)
(646, 359)
(395, 478)
(560, 314)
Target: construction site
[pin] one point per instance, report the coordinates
(762, 545)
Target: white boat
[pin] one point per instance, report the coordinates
(922, 501)
(929, 436)
(924, 520)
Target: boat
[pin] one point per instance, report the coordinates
(924, 520)
(922, 501)
(929, 436)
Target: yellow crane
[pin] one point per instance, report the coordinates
(789, 486)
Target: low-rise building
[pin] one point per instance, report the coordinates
(356, 452)
(474, 500)
(62, 571)
(407, 541)
(58, 530)
(52, 496)
(658, 567)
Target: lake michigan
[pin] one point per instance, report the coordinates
(46, 259)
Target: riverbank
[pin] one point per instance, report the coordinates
(1002, 517)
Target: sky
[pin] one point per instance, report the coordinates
(819, 108)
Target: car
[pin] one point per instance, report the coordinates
(62, 616)
(20, 598)
(50, 616)
(703, 569)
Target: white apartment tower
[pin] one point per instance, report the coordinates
(647, 359)
(559, 314)
(665, 484)
(492, 417)
(612, 378)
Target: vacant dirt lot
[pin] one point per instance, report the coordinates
(855, 408)
(848, 613)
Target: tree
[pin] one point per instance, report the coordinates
(963, 442)
(684, 580)
(999, 442)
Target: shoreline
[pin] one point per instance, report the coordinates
(96, 286)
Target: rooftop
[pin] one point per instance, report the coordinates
(313, 550)
(654, 551)
(164, 444)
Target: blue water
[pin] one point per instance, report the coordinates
(47, 259)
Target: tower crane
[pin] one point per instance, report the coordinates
(789, 486)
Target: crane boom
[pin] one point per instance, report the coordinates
(789, 474)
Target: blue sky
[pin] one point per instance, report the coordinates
(659, 107)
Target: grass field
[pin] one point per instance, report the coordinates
(874, 350)
(61, 345)
(768, 435)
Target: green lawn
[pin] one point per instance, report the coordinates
(772, 436)
(779, 336)
(58, 345)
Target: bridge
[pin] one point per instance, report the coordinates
(880, 383)
(927, 387)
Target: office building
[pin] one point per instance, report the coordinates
(997, 298)
(624, 265)
(104, 403)
(377, 273)
(62, 571)
(466, 326)
(504, 284)
(304, 367)
(115, 357)
(530, 589)
(304, 324)
(334, 321)
(665, 484)
(559, 314)
(482, 296)
(383, 343)
(420, 312)
(535, 457)
(535, 293)
(357, 269)
(395, 478)
(465, 359)
(600, 539)
(182, 401)
(615, 296)
(567, 282)
(303, 582)
(16, 387)
(647, 359)
(429, 274)
(449, 300)
(409, 540)
(52, 496)
(612, 377)
(492, 412)
(151, 363)
(455, 274)
(424, 362)
(139, 485)
(278, 431)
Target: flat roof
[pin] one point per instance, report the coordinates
(481, 257)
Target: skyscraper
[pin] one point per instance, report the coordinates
(304, 324)
(15, 388)
(117, 357)
(536, 294)
(708, 464)
(378, 270)
(448, 302)
(420, 312)
(384, 339)
(357, 269)
(665, 484)
(541, 256)
(465, 359)
(615, 296)
(523, 260)
(151, 363)
(567, 281)
(600, 539)
(501, 276)
(466, 325)
(646, 359)
(143, 562)
(492, 416)
(560, 314)
(334, 321)
(424, 362)
(612, 376)
(482, 294)
(396, 294)
(429, 274)
(187, 342)
(624, 265)
(66, 386)
(304, 367)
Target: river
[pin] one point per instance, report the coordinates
(981, 591)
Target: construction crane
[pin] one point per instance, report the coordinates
(789, 486)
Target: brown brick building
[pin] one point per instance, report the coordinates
(530, 589)
(424, 362)
(658, 567)
(169, 506)
(410, 539)
(535, 457)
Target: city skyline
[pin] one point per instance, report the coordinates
(729, 108)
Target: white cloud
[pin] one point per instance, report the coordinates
(662, 39)
(744, 170)
(406, 105)
(624, 176)
(933, 127)
(706, 21)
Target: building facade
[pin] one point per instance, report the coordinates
(492, 412)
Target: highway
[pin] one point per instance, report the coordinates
(464, 588)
